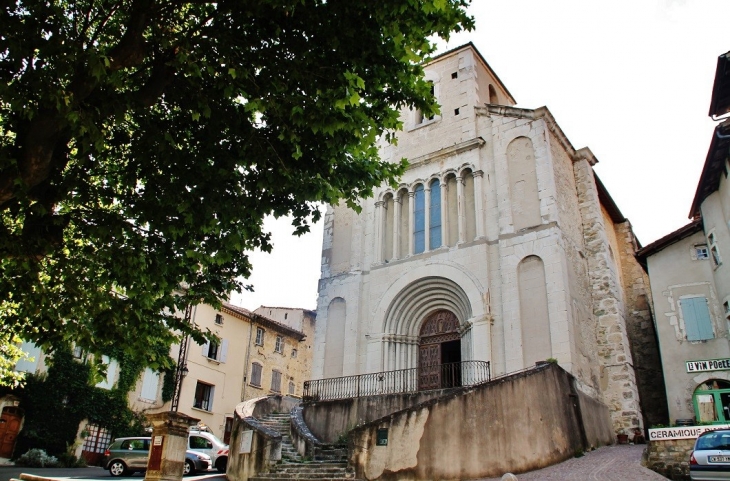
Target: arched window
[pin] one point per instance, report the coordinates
(434, 221)
(403, 237)
(419, 228)
(470, 223)
(712, 401)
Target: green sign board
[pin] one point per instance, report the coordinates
(382, 437)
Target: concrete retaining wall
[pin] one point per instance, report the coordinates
(328, 420)
(523, 422)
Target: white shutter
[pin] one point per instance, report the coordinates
(149, 385)
(212, 396)
(205, 348)
(224, 350)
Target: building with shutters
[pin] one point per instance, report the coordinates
(257, 355)
(499, 244)
(690, 283)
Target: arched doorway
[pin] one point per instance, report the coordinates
(439, 351)
(9, 428)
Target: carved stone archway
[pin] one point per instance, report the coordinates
(439, 343)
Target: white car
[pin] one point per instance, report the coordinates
(208, 443)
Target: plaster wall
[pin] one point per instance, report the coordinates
(676, 274)
(715, 222)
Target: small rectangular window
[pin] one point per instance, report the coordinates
(212, 350)
(256, 374)
(292, 387)
(276, 381)
(293, 353)
(279, 344)
(78, 353)
(702, 252)
(259, 336)
(203, 396)
(218, 319)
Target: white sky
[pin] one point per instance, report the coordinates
(630, 79)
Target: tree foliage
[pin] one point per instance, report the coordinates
(142, 142)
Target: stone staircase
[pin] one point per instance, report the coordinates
(329, 463)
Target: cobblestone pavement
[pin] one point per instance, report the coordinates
(609, 463)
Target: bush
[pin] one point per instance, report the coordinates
(36, 458)
(68, 460)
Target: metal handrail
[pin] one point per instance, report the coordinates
(401, 381)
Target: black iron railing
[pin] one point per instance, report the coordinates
(444, 376)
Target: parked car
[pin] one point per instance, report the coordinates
(710, 460)
(208, 443)
(129, 455)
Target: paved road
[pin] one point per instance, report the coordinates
(89, 474)
(609, 463)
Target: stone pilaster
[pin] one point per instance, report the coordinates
(613, 354)
(168, 446)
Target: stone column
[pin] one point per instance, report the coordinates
(167, 448)
(460, 208)
(478, 203)
(411, 217)
(379, 230)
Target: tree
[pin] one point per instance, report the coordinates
(142, 142)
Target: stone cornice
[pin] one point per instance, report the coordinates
(447, 151)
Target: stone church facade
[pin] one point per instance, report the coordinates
(499, 244)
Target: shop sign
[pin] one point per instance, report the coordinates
(709, 365)
(682, 432)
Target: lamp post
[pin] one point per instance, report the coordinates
(182, 367)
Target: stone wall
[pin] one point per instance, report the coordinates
(617, 378)
(669, 458)
(641, 330)
(523, 422)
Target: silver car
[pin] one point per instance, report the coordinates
(126, 456)
(710, 460)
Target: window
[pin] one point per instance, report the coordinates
(420, 118)
(227, 430)
(292, 387)
(419, 240)
(697, 322)
(77, 352)
(434, 221)
(259, 336)
(136, 444)
(701, 252)
(199, 442)
(276, 381)
(256, 374)
(286, 315)
(293, 353)
(712, 244)
(712, 401)
(203, 396)
(150, 383)
(279, 344)
(215, 351)
(219, 319)
(111, 373)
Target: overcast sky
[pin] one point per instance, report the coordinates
(630, 79)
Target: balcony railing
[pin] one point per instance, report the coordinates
(444, 376)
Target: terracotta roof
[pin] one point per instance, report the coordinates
(264, 321)
(715, 163)
(669, 239)
(720, 103)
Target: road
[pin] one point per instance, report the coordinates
(89, 474)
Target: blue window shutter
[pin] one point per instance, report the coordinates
(419, 230)
(697, 322)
